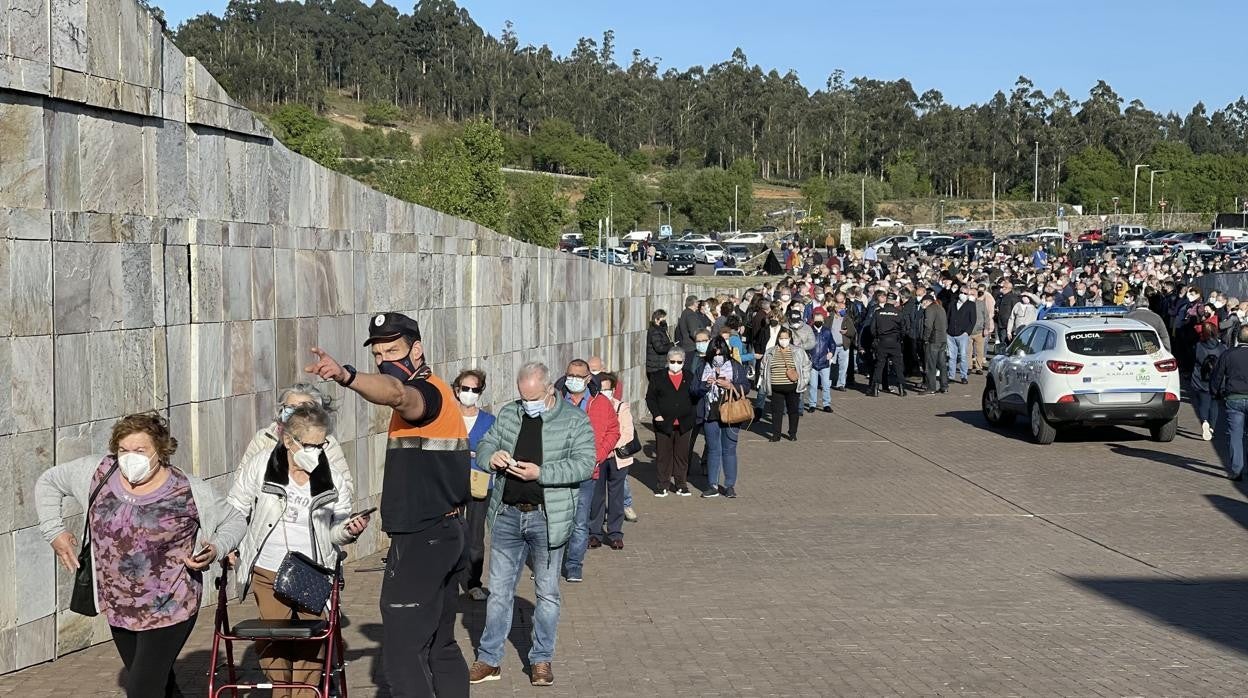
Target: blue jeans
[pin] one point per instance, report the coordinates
(721, 452)
(517, 536)
(574, 563)
(842, 366)
(628, 494)
(1206, 407)
(959, 351)
(1235, 411)
(819, 376)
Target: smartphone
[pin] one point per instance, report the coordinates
(358, 514)
(200, 553)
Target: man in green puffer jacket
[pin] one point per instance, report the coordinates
(542, 448)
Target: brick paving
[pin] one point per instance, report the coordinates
(899, 548)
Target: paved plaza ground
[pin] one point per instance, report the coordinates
(899, 548)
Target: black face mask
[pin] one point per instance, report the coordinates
(403, 369)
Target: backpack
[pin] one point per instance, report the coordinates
(1206, 368)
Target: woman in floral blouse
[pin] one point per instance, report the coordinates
(154, 529)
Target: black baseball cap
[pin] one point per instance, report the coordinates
(387, 327)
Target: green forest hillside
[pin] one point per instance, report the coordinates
(423, 104)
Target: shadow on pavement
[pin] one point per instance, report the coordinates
(473, 620)
(1211, 608)
(1177, 460)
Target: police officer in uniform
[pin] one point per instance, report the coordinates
(887, 338)
(425, 492)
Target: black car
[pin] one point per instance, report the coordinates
(680, 259)
(979, 234)
(660, 251)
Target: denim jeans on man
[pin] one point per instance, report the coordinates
(516, 536)
(842, 365)
(574, 563)
(819, 377)
(721, 452)
(959, 352)
(1235, 411)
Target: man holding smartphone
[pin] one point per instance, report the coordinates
(424, 492)
(543, 448)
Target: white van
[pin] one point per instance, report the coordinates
(638, 235)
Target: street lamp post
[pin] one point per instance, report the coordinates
(1115, 209)
(1152, 174)
(1035, 188)
(1135, 185)
(736, 189)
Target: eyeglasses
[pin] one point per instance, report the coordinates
(675, 363)
(470, 389)
(320, 447)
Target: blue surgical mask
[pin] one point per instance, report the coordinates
(575, 384)
(534, 408)
(284, 415)
(702, 346)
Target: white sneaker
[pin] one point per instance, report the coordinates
(630, 514)
(1206, 431)
(478, 594)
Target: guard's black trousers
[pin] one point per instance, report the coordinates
(884, 355)
(419, 596)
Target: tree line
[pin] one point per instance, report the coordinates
(593, 110)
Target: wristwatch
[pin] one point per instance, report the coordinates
(350, 379)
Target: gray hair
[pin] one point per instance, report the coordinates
(676, 352)
(309, 417)
(321, 399)
(532, 369)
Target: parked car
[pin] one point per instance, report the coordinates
(1116, 234)
(936, 243)
(695, 238)
(748, 238)
(919, 233)
(768, 229)
(1230, 234)
(708, 252)
(956, 220)
(1093, 235)
(1084, 366)
(979, 234)
(570, 241)
(582, 251)
(883, 244)
(886, 223)
(729, 271)
(965, 247)
(680, 259)
(660, 251)
(638, 235)
(738, 252)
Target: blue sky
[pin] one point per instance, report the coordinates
(1167, 54)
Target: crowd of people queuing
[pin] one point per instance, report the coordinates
(546, 478)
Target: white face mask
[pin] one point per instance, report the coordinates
(467, 398)
(306, 459)
(676, 367)
(784, 341)
(136, 468)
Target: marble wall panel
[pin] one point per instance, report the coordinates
(62, 142)
(239, 359)
(36, 585)
(208, 443)
(73, 378)
(207, 281)
(206, 361)
(111, 159)
(22, 176)
(69, 34)
(236, 267)
(31, 383)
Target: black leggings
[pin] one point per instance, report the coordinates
(149, 656)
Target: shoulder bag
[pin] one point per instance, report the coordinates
(734, 408)
(632, 447)
(82, 599)
(302, 583)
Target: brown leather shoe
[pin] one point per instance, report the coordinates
(594, 542)
(617, 544)
(480, 672)
(542, 675)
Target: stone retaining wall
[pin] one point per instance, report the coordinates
(159, 249)
(1078, 224)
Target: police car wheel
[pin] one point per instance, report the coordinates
(993, 413)
(1041, 431)
(1164, 431)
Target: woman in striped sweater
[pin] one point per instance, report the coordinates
(785, 375)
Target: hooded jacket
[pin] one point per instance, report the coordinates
(602, 419)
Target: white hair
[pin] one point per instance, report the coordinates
(321, 399)
(534, 369)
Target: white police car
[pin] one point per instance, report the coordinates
(1083, 366)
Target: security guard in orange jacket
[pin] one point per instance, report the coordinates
(425, 490)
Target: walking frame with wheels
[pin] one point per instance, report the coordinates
(327, 631)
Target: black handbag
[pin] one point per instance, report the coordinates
(82, 599)
(302, 583)
(629, 448)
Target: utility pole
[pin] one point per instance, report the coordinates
(864, 202)
(736, 190)
(994, 199)
(1035, 188)
(1151, 175)
(1135, 186)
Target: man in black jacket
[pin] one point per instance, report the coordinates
(1006, 300)
(1230, 384)
(962, 317)
(690, 322)
(886, 334)
(911, 328)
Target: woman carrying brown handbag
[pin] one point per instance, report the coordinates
(722, 379)
(784, 376)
